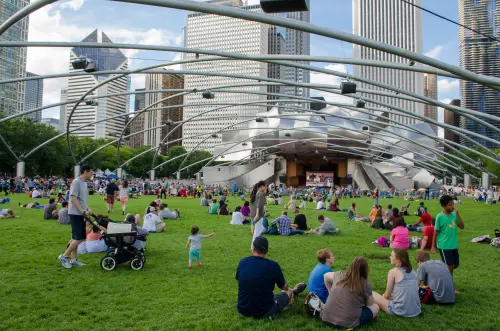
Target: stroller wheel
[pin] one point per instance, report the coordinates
(108, 263)
(137, 263)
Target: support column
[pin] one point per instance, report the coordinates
(198, 176)
(485, 180)
(178, 174)
(152, 175)
(119, 172)
(76, 171)
(454, 180)
(21, 169)
(466, 180)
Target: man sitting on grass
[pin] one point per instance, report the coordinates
(437, 281)
(326, 227)
(63, 216)
(285, 226)
(256, 278)
(50, 210)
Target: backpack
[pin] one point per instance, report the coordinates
(314, 305)
(495, 242)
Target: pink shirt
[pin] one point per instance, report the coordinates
(400, 237)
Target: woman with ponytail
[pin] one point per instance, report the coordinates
(257, 202)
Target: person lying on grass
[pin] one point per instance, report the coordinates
(7, 213)
(401, 295)
(257, 276)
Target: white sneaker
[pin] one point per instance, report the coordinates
(77, 263)
(64, 261)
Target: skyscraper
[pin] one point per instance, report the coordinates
(399, 24)
(33, 97)
(430, 91)
(156, 118)
(481, 55)
(105, 59)
(13, 59)
(138, 123)
(62, 109)
(225, 34)
(276, 45)
(453, 119)
(298, 43)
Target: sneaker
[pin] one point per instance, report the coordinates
(299, 288)
(77, 263)
(199, 265)
(189, 267)
(64, 261)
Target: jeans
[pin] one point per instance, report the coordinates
(415, 228)
(294, 232)
(376, 201)
(426, 196)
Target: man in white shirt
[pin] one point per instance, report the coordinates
(320, 204)
(35, 194)
(152, 221)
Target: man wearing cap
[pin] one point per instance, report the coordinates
(152, 221)
(256, 278)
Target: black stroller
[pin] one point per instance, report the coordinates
(121, 244)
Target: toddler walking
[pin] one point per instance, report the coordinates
(195, 241)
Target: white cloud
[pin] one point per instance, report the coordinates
(72, 4)
(326, 79)
(448, 88)
(435, 52)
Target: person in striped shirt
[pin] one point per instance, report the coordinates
(285, 226)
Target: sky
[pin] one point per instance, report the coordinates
(73, 20)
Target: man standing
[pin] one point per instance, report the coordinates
(111, 190)
(78, 207)
(256, 278)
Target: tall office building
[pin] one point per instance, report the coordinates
(430, 91)
(481, 55)
(453, 119)
(137, 124)
(62, 108)
(106, 59)
(13, 59)
(157, 118)
(276, 45)
(298, 43)
(399, 24)
(33, 97)
(225, 34)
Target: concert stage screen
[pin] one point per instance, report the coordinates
(316, 178)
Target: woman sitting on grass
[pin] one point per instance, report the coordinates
(237, 217)
(292, 204)
(351, 301)
(335, 205)
(213, 208)
(245, 210)
(378, 222)
(400, 235)
(223, 210)
(401, 296)
(351, 213)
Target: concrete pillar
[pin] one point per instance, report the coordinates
(485, 180)
(152, 175)
(178, 174)
(454, 180)
(119, 172)
(76, 171)
(21, 169)
(198, 176)
(466, 180)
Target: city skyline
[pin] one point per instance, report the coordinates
(57, 22)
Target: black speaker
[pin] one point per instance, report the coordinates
(347, 87)
(208, 95)
(360, 104)
(282, 6)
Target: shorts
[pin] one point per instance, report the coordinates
(110, 198)
(78, 231)
(365, 318)
(124, 200)
(426, 295)
(281, 301)
(450, 257)
(194, 253)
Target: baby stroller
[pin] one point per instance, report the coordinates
(120, 239)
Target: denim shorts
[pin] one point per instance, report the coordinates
(194, 253)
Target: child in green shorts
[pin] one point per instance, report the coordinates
(195, 241)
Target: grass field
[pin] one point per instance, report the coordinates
(37, 293)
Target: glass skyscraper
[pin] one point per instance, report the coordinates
(13, 59)
(33, 97)
(481, 55)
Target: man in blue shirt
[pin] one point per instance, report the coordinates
(256, 278)
(316, 282)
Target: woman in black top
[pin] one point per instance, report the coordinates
(300, 220)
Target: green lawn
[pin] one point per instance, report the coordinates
(37, 293)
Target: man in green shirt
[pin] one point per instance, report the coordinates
(446, 236)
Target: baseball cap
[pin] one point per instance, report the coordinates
(261, 244)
